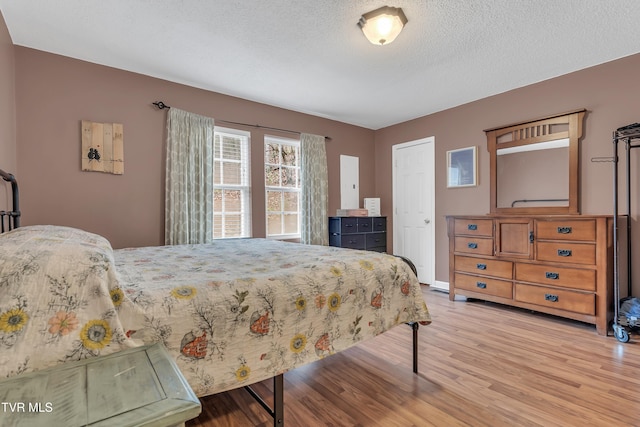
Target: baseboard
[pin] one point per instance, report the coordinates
(440, 286)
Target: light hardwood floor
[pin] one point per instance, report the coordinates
(481, 364)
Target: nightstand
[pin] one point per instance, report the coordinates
(137, 387)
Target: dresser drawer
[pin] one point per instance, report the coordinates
(567, 252)
(352, 241)
(376, 240)
(577, 302)
(473, 227)
(495, 287)
(584, 231)
(565, 277)
(474, 245)
(343, 225)
(365, 225)
(489, 267)
(379, 224)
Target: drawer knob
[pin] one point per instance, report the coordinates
(551, 275)
(472, 227)
(551, 297)
(564, 230)
(472, 245)
(564, 252)
(481, 285)
(481, 266)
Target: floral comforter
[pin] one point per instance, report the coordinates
(232, 313)
(56, 287)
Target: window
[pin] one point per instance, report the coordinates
(282, 186)
(231, 188)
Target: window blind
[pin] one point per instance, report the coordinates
(231, 183)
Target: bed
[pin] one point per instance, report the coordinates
(231, 313)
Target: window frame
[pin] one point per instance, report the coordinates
(270, 139)
(244, 187)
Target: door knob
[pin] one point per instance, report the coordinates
(427, 221)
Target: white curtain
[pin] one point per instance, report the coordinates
(315, 190)
(189, 183)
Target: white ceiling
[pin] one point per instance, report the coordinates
(310, 56)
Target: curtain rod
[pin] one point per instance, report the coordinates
(161, 106)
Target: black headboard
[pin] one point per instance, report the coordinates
(10, 219)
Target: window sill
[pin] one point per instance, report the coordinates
(286, 237)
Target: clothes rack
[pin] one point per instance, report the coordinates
(630, 135)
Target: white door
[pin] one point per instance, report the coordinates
(414, 205)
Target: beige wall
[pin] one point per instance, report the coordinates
(55, 93)
(611, 94)
(8, 160)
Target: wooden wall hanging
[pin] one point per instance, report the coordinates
(102, 147)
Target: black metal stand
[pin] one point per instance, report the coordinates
(415, 326)
(631, 136)
(277, 412)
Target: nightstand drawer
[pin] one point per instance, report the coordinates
(577, 302)
(488, 267)
(575, 278)
(473, 227)
(584, 230)
(567, 252)
(495, 287)
(474, 245)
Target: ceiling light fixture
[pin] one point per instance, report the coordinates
(382, 26)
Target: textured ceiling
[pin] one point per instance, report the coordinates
(310, 56)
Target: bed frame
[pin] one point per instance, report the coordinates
(276, 411)
(13, 216)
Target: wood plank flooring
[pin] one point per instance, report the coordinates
(481, 364)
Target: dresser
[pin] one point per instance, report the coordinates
(354, 232)
(560, 265)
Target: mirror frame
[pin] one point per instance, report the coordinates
(532, 132)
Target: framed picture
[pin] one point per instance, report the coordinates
(462, 170)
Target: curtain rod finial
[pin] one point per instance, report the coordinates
(161, 105)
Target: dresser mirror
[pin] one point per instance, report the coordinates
(534, 165)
